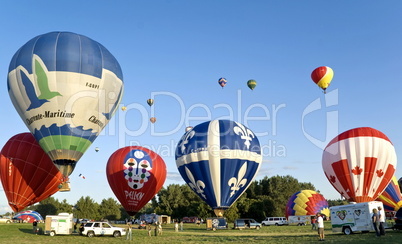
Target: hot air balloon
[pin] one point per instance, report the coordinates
(29, 216)
(306, 202)
(188, 128)
(359, 163)
(150, 102)
(66, 87)
(135, 175)
(124, 108)
(153, 120)
(27, 173)
(219, 159)
(222, 82)
(251, 84)
(96, 149)
(322, 76)
(391, 197)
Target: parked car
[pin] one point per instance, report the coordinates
(398, 220)
(100, 228)
(246, 223)
(274, 221)
(5, 219)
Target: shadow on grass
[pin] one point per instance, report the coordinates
(28, 231)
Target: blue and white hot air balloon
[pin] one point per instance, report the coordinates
(65, 87)
(219, 160)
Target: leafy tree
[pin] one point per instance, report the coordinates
(49, 206)
(109, 209)
(86, 208)
(64, 207)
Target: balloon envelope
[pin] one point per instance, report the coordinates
(135, 174)
(322, 76)
(218, 160)
(360, 163)
(306, 202)
(222, 82)
(150, 102)
(65, 87)
(153, 120)
(28, 216)
(27, 173)
(391, 197)
(251, 84)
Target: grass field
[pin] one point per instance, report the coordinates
(22, 233)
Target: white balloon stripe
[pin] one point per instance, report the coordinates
(223, 154)
(214, 162)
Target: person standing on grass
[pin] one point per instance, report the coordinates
(313, 223)
(381, 215)
(376, 222)
(129, 235)
(320, 227)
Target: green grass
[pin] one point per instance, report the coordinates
(22, 233)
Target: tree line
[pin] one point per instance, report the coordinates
(266, 197)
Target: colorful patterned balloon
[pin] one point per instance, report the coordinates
(360, 163)
(322, 76)
(222, 82)
(29, 216)
(66, 88)
(391, 197)
(219, 160)
(306, 202)
(135, 174)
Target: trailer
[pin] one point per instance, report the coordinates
(61, 224)
(353, 217)
(300, 220)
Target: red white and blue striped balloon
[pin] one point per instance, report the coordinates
(219, 160)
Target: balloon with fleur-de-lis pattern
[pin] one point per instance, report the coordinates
(360, 163)
(219, 159)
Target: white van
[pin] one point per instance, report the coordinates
(274, 221)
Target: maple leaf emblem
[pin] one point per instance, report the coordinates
(332, 178)
(357, 170)
(380, 173)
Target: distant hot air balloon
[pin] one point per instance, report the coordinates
(188, 128)
(27, 173)
(322, 76)
(96, 149)
(219, 160)
(306, 202)
(81, 176)
(153, 120)
(150, 102)
(135, 174)
(222, 82)
(124, 108)
(29, 216)
(251, 84)
(66, 88)
(391, 197)
(360, 163)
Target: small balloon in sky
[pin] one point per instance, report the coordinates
(251, 84)
(222, 82)
(322, 76)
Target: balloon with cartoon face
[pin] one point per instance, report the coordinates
(135, 175)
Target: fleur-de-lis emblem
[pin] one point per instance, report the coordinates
(187, 137)
(239, 182)
(244, 134)
(198, 186)
(357, 170)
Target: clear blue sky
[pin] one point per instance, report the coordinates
(176, 50)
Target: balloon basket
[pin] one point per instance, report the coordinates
(65, 186)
